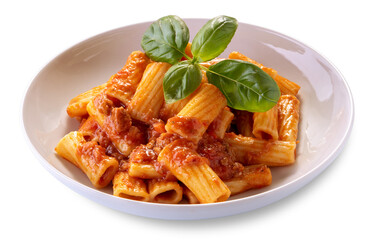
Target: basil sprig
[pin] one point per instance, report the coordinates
(166, 39)
(245, 86)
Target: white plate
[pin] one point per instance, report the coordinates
(326, 113)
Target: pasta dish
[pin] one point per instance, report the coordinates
(197, 149)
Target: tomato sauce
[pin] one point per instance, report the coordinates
(92, 154)
(181, 152)
(219, 156)
(189, 127)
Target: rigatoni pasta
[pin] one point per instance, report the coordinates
(149, 97)
(116, 122)
(165, 191)
(221, 123)
(195, 117)
(195, 150)
(244, 123)
(265, 124)
(248, 150)
(123, 84)
(89, 157)
(125, 186)
(288, 112)
(78, 106)
(193, 171)
(253, 176)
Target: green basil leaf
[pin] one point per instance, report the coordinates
(213, 38)
(166, 39)
(181, 80)
(245, 85)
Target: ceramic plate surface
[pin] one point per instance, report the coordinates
(325, 120)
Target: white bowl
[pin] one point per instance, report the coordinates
(326, 113)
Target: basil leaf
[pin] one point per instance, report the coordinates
(213, 38)
(245, 85)
(166, 39)
(181, 80)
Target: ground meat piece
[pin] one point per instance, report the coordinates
(118, 122)
(103, 104)
(220, 159)
(155, 130)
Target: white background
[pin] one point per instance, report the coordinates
(33, 204)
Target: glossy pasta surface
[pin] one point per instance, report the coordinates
(196, 150)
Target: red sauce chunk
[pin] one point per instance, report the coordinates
(92, 154)
(135, 136)
(220, 159)
(147, 155)
(118, 122)
(93, 132)
(123, 166)
(188, 127)
(155, 130)
(103, 104)
(164, 140)
(143, 154)
(118, 125)
(182, 152)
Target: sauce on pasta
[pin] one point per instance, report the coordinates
(202, 149)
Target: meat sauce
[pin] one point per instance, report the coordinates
(103, 104)
(189, 126)
(92, 151)
(117, 122)
(93, 132)
(155, 130)
(143, 154)
(181, 152)
(125, 81)
(152, 138)
(148, 153)
(219, 156)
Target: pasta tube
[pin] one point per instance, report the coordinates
(125, 186)
(116, 122)
(254, 176)
(244, 123)
(212, 62)
(249, 150)
(77, 106)
(165, 191)
(221, 123)
(123, 84)
(188, 50)
(143, 170)
(193, 120)
(149, 96)
(99, 108)
(288, 111)
(169, 110)
(191, 198)
(193, 171)
(265, 124)
(89, 157)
